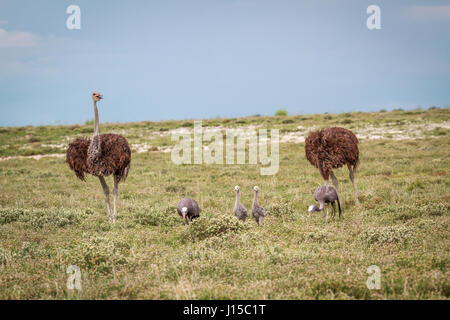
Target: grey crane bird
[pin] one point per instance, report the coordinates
(188, 209)
(325, 195)
(240, 211)
(258, 212)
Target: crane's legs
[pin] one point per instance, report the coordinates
(326, 219)
(115, 193)
(106, 192)
(333, 205)
(352, 178)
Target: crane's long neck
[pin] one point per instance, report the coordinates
(321, 205)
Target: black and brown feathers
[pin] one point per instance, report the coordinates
(332, 148)
(114, 159)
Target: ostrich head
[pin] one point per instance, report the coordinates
(256, 188)
(96, 96)
(236, 188)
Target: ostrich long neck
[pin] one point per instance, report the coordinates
(237, 198)
(255, 199)
(96, 119)
(96, 146)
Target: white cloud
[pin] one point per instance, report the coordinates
(11, 39)
(427, 13)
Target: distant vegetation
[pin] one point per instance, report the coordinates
(281, 112)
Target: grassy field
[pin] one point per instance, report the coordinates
(50, 220)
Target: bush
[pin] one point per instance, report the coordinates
(98, 254)
(281, 112)
(39, 218)
(413, 211)
(31, 250)
(205, 227)
(385, 235)
(281, 209)
(158, 216)
(59, 218)
(10, 215)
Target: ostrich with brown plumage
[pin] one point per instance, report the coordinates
(332, 148)
(101, 156)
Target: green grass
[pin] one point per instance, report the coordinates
(50, 220)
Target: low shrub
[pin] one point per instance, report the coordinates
(30, 250)
(205, 227)
(9, 215)
(157, 216)
(39, 218)
(58, 218)
(281, 209)
(386, 235)
(98, 254)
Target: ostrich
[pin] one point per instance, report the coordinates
(239, 210)
(101, 156)
(331, 148)
(188, 209)
(325, 195)
(258, 212)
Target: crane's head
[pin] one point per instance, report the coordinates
(96, 96)
(236, 188)
(312, 208)
(184, 212)
(256, 188)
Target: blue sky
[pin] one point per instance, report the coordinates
(155, 60)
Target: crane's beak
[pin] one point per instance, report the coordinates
(184, 214)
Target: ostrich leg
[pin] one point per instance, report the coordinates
(115, 192)
(352, 178)
(335, 183)
(106, 192)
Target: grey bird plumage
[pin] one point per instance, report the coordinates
(188, 209)
(258, 211)
(325, 195)
(240, 211)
